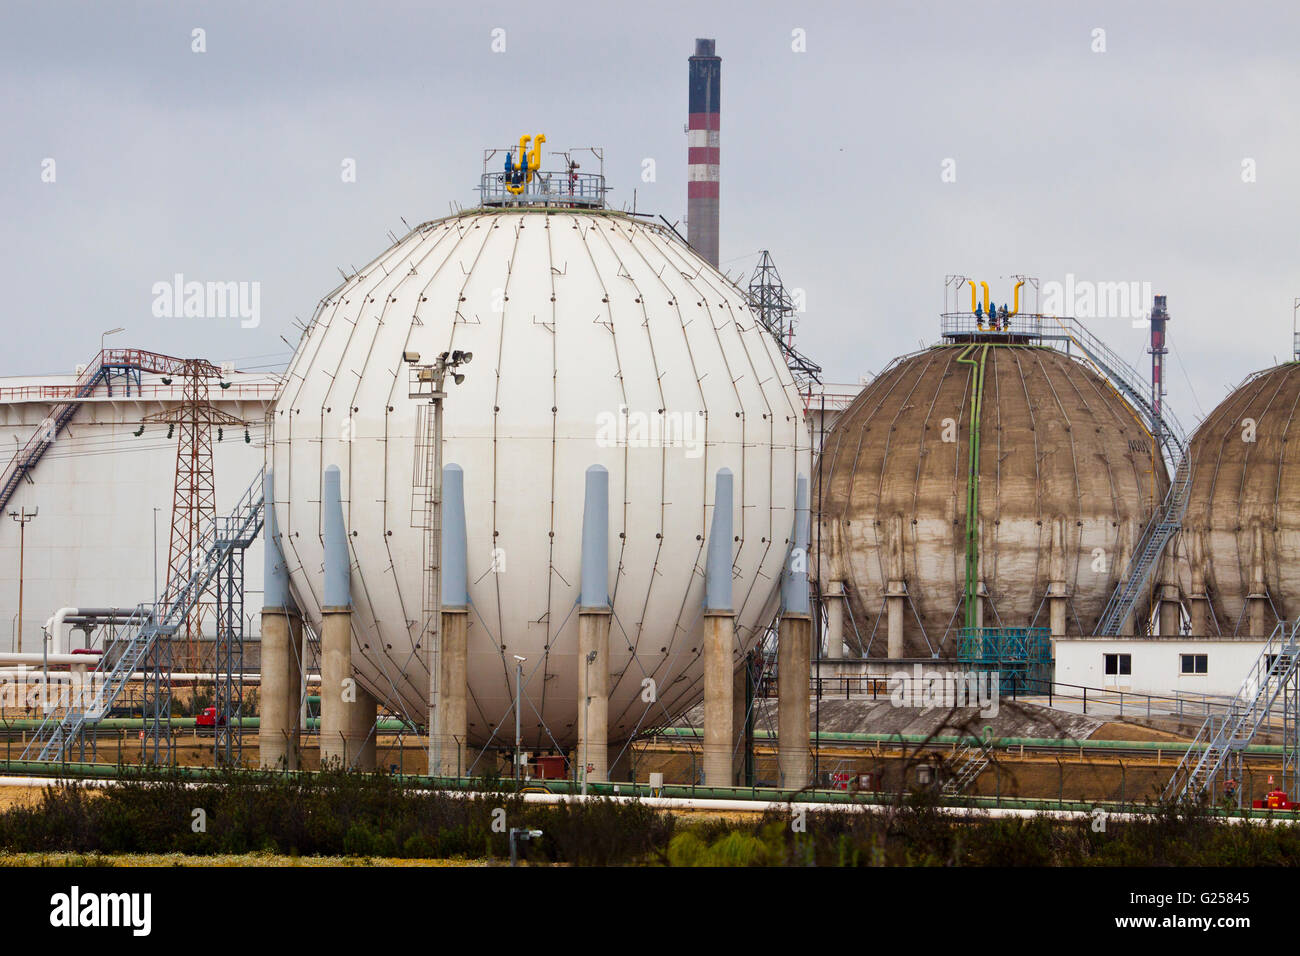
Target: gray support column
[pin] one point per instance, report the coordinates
(793, 655)
(451, 719)
(338, 690)
(719, 639)
(835, 620)
(278, 735)
(594, 615)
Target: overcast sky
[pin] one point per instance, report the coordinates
(1121, 155)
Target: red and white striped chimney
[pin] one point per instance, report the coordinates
(702, 150)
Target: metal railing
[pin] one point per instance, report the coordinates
(1224, 736)
(554, 188)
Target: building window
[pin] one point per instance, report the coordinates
(1194, 663)
(1118, 664)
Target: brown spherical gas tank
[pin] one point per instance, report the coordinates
(1066, 482)
(1241, 534)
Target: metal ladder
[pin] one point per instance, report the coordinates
(148, 624)
(975, 759)
(1224, 737)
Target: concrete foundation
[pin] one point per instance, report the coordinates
(793, 669)
(719, 691)
(894, 607)
(279, 730)
(593, 694)
(335, 669)
(453, 716)
(835, 620)
(360, 734)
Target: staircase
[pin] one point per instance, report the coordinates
(974, 758)
(26, 457)
(1222, 738)
(1164, 524)
(1167, 520)
(151, 623)
(110, 362)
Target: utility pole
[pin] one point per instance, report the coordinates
(22, 516)
(586, 737)
(427, 382)
(519, 683)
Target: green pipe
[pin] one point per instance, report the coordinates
(1062, 743)
(973, 481)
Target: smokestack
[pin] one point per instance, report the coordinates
(702, 141)
(1158, 350)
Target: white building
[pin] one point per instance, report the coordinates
(1162, 666)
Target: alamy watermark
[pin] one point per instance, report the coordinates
(663, 429)
(180, 299)
(1085, 299)
(927, 689)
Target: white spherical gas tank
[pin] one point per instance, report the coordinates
(596, 339)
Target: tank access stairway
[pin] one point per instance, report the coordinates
(1223, 738)
(975, 757)
(108, 363)
(149, 624)
(1167, 519)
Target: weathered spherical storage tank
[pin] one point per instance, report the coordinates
(1241, 533)
(1066, 484)
(598, 338)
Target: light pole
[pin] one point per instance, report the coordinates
(22, 516)
(155, 560)
(432, 377)
(586, 721)
(104, 335)
(519, 683)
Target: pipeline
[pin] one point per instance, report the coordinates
(973, 479)
(734, 799)
(1059, 743)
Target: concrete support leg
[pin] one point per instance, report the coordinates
(593, 694)
(719, 690)
(894, 613)
(1056, 613)
(835, 620)
(280, 695)
(361, 731)
(1257, 612)
(1171, 612)
(1200, 615)
(335, 695)
(453, 714)
(739, 713)
(793, 701)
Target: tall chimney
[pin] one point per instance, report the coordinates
(1158, 350)
(702, 150)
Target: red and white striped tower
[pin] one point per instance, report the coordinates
(702, 150)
